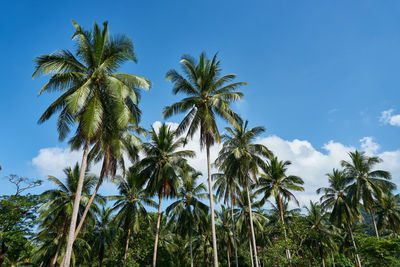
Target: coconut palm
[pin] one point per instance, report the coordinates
(276, 183)
(163, 158)
(209, 94)
(91, 92)
(243, 223)
(186, 211)
(103, 233)
(56, 210)
(130, 205)
(336, 200)
(240, 157)
(109, 148)
(388, 213)
(367, 184)
(227, 187)
(321, 236)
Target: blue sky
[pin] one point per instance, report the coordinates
(317, 70)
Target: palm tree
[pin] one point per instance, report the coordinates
(130, 205)
(208, 94)
(241, 158)
(160, 167)
(103, 233)
(320, 234)
(92, 92)
(276, 183)
(224, 226)
(336, 200)
(242, 212)
(388, 213)
(110, 147)
(227, 188)
(368, 184)
(56, 209)
(186, 210)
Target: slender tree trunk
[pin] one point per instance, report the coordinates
(191, 247)
(157, 230)
(206, 251)
(323, 262)
(374, 222)
(251, 253)
(355, 247)
(127, 246)
(333, 259)
(214, 237)
(288, 256)
(85, 212)
(228, 252)
(234, 232)
(77, 201)
(251, 225)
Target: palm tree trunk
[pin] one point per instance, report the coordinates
(127, 246)
(234, 232)
(191, 247)
(251, 225)
(77, 201)
(228, 252)
(251, 253)
(157, 230)
(85, 212)
(355, 247)
(333, 259)
(323, 262)
(374, 222)
(288, 256)
(214, 237)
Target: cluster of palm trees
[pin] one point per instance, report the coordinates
(102, 107)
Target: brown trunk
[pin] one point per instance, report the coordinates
(374, 222)
(157, 230)
(333, 259)
(54, 260)
(214, 237)
(85, 212)
(228, 252)
(251, 253)
(127, 246)
(77, 201)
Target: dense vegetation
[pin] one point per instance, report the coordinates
(257, 222)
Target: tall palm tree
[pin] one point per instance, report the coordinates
(91, 92)
(240, 157)
(227, 187)
(130, 205)
(56, 210)
(388, 213)
(276, 183)
(368, 184)
(335, 199)
(186, 211)
(109, 147)
(209, 94)
(163, 158)
(242, 212)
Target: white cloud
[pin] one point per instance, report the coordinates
(308, 162)
(387, 117)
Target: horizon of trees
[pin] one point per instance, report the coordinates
(356, 221)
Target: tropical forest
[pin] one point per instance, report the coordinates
(199, 186)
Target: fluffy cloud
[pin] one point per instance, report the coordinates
(387, 117)
(308, 162)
